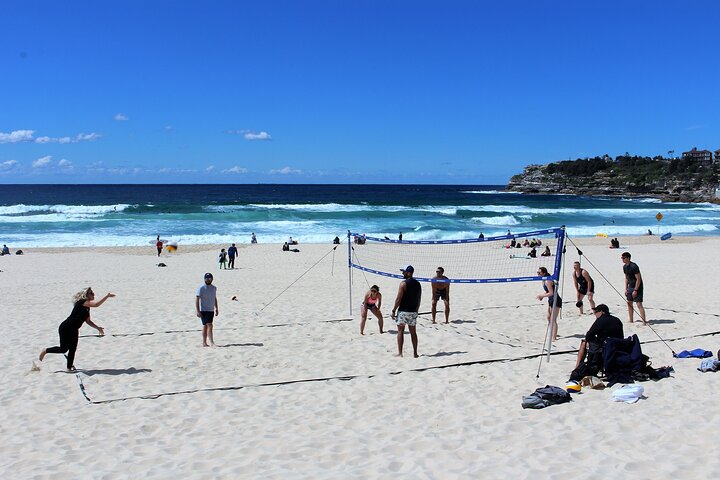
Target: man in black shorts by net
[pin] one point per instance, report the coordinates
(633, 286)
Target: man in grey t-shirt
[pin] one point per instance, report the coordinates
(205, 304)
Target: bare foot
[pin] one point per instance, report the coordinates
(42, 354)
(416, 355)
(205, 345)
(361, 333)
(398, 355)
(446, 322)
(381, 331)
(433, 321)
(213, 345)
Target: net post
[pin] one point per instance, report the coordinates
(349, 273)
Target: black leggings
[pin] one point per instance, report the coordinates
(68, 343)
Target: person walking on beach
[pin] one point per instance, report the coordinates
(232, 253)
(440, 290)
(69, 329)
(222, 259)
(584, 285)
(205, 303)
(406, 305)
(372, 302)
(253, 238)
(553, 308)
(633, 287)
(159, 245)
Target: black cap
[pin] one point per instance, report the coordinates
(208, 275)
(602, 308)
(409, 268)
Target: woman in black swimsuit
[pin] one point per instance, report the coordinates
(549, 286)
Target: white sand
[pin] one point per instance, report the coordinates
(457, 422)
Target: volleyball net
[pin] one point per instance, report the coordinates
(515, 257)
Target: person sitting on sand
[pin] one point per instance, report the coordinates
(285, 247)
(69, 329)
(552, 314)
(5, 250)
(546, 252)
(532, 253)
(372, 302)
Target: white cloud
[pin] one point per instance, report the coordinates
(65, 163)
(120, 117)
(8, 165)
(257, 136)
(87, 137)
(169, 128)
(80, 137)
(285, 171)
(236, 169)
(16, 136)
(210, 168)
(42, 162)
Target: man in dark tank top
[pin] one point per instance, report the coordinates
(406, 305)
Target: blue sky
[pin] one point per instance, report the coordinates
(451, 92)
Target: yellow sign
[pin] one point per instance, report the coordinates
(658, 216)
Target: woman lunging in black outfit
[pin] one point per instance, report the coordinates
(69, 330)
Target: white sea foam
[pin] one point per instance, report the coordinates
(506, 220)
(22, 209)
(588, 231)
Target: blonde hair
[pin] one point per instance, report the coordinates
(82, 294)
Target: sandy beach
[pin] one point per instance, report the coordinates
(294, 391)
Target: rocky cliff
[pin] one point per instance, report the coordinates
(698, 183)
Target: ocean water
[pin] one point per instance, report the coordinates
(127, 215)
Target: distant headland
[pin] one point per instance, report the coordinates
(693, 177)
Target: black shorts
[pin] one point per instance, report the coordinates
(440, 294)
(559, 302)
(583, 291)
(629, 296)
(207, 317)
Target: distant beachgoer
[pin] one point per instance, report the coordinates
(400, 237)
(336, 241)
(407, 304)
(513, 243)
(532, 253)
(285, 247)
(440, 290)
(584, 285)
(508, 233)
(481, 236)
(222, 259)
(549, 286)
(159, 245)
(372, 302)
(633, 287)
(649, 232)
(205, 303)
(526, 243)
(546, 252)
(69, 329)
(5, 250)
(614, 243)
(232, 253)
(253, 238)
